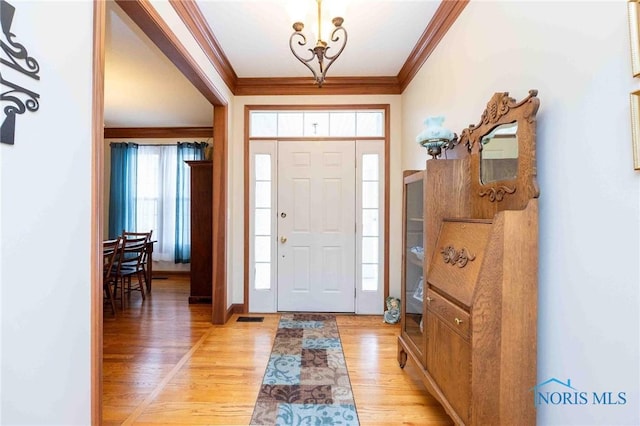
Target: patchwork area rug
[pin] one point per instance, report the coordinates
(306, 381)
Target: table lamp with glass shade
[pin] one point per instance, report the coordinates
(435, 138)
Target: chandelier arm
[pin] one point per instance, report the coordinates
(335, 38)
(300, 58)
(331, 58)
(302, 42)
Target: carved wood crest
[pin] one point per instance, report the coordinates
(456, 257)
(497, 193)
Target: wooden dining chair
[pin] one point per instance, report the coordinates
(129, 265)
(110, 250)
(145, 260)
(131, 234)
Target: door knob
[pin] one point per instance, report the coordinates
(283, 240)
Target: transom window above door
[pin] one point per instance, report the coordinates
(347, 123)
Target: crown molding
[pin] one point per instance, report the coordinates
(306, 86)
(195, 21)
(157, 132)
(442, 20)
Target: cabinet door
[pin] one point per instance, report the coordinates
(413, 279)
(449, 364)
(458, 259)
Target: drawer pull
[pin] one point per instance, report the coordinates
(429, 299)
(458, 321)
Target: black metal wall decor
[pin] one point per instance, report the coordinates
(15, 98)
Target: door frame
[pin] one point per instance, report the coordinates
(247, 169)
(151, 23)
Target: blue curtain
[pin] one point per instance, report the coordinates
(186, 152)
(123, 189)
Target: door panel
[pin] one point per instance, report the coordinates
(316, 226)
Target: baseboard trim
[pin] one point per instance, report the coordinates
(171, 273)
(236, 308)
(200, 300)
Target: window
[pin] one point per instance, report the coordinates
(150, 191)
(262, 227)
(369, 123)
(156, 197)
(370, 244)
(370, 221)
(262, 222)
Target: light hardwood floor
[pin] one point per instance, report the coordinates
(165, 363)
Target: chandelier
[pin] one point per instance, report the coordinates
(321, 50)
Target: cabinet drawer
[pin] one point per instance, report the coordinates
(450, 314)
(458, 257)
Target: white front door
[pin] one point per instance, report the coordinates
(316, 226)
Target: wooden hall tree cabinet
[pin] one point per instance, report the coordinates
(480, 282)
(201, 232)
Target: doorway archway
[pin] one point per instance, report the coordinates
(146, 17)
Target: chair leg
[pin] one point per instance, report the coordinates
(113, 298)
(107, 288)
(114, 291)
(141, 284)
(122, 293)
(147, 279)
(147, 284)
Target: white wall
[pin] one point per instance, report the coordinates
(577, 55)
(45, 227)
(236, 176)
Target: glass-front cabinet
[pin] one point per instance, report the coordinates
(413, 261)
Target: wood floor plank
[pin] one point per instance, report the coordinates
(218, 383)
(197, 414)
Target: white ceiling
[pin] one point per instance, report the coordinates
(144, 89)
(254, 34)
